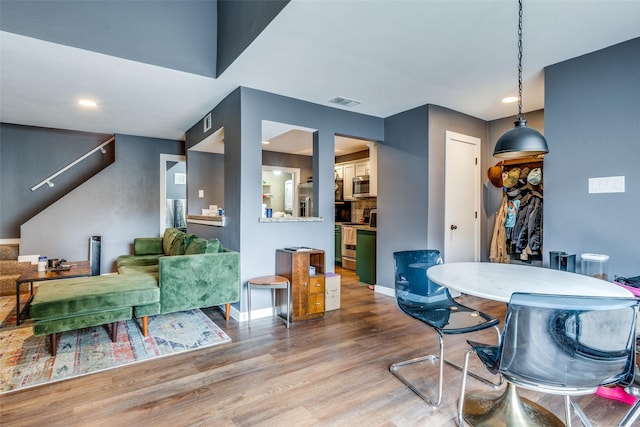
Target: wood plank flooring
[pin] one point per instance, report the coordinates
(326, 372)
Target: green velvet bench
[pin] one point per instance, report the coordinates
(70, 304)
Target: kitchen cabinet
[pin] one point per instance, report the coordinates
(305, 271)
(338, 172)
(362, 168)
(366, 256)
(349, 172)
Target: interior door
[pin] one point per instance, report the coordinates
(462, 198)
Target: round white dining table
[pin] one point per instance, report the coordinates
(498, 281)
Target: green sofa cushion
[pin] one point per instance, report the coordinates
(137, 260)
(133, 269)
(202, 246)
(59, 299)
(147, 246)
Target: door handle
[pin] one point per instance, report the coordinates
(454, 227)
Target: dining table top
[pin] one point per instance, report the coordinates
(497, 281)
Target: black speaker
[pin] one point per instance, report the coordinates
(95, 254)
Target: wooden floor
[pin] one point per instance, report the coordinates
(327, 372)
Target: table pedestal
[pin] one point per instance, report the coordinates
(507, 409)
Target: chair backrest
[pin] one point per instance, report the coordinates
(569, 341)
(411, 280)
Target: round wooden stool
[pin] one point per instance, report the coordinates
(273, 283)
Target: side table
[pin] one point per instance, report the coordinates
(78, 269)
(273, 283)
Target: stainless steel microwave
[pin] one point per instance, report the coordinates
(361, 186)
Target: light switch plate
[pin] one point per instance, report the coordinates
(607, 184)
(201, 193)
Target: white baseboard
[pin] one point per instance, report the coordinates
(9, 241)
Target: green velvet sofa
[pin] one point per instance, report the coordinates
(192, 272)
(166, 274)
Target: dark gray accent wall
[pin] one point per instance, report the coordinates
(120, 203)
(176, 191)
(30, 154)
(441, 120)
(259, 241)
(411, 181)
(176, 34)
(305, 163)
(239, 23)
(403, 165)
(226, 115)
(592, 128)
(209, 178)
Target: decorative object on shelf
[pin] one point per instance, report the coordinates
(520, 141)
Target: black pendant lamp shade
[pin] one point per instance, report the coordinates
(520, 141)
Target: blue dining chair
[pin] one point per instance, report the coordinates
(432, 304)
(558, 344)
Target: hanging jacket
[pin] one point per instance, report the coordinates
(498, 249)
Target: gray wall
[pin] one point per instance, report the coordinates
(305, 163)
(175, 191)
(402, 189)
(30, 154)
(225, 115)
(120, 203)
(440, 120)
(177, 34)
(411, 181)
(591, 125)
(259, 241)
(209, 178)
(239, 23)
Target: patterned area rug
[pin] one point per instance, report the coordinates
(25, 360)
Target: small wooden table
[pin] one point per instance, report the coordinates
(273, 283)
(78, 269)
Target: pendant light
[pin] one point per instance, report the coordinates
(520, 141)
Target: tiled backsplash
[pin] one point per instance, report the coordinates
(358, 206)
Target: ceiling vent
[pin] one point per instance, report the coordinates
(345, 102)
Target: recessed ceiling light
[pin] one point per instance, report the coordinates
(87, 103)
(509, 99)
(265, 142)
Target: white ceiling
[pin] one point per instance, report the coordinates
(391, 55)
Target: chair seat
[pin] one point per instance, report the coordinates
(449, 316)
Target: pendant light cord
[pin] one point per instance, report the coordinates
(520, 116)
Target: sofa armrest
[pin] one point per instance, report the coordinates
(147, 246)
(197, 281)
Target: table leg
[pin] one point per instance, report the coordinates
(20, 313)
(249, 303)
(507, 409)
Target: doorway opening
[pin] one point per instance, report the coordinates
(173, 192)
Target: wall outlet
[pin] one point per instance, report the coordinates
(607, 184)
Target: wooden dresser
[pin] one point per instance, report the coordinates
(307, 290)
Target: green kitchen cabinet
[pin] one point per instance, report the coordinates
(366, 256)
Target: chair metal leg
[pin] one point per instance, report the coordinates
(440, 357)
(632, 416)
(578, 410)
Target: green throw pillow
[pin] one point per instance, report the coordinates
(213, 246)
(197, 246)
(170, 235)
